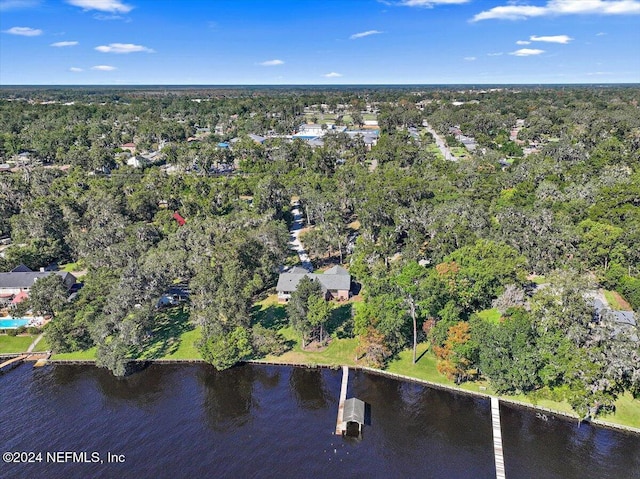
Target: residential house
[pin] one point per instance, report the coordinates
(623, 320)
(131, 147)
(16, 282)
(257, 138)
(138, 161)
(335, 283)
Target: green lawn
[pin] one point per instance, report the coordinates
(460, 151)
(173, 337)
(86, 355)
(15, 344)
(167, 337)
(627, 412)
(616, 301)
(492, 315)
(339, 352)
(433, 148)
(43, 345)
(186, 346)
(627, 409)
(538, 279)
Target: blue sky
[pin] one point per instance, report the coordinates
(319, 41)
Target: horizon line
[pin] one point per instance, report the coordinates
(160, 85)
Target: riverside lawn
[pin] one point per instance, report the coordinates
(176, 340)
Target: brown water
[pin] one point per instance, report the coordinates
(278, 422)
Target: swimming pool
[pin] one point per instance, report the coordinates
(13, 323)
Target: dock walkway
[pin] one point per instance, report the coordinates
(340, 427)
(497, 437)
(14, 360)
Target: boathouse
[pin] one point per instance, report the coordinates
(353, 416)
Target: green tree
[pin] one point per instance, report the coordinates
(409, 282)
(298, 307)
(48, 295)
(223, 350)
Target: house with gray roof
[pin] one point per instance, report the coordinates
(17, 282)
(622, 319)
(335, 282)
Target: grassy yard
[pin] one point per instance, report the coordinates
(15, 344)
(43, 345)
(537, 279)
(460, 152)
(627, 412)
(167, 336)
(86, 355)
(616, 301)
(433, 148)
(186, 346)
(627, 409)
(492, 315)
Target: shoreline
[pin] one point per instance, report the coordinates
(379, 372)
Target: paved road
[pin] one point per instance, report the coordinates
(440, 143)
(298, 224)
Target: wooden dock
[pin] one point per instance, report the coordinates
(17, 359)
(340, 426)
(497, 437)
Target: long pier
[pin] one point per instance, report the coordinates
(343, 397)
(497, 437)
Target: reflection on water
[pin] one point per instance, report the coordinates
(266, 421)
(228, 396)
(309, 388)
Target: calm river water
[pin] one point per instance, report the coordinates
(172, 421)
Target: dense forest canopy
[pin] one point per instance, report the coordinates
(550, 190)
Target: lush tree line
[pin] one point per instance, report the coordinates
(432, 242)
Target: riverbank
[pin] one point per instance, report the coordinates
(341, 352)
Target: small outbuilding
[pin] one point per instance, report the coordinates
(354, 412)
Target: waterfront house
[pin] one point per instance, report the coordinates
(335, 283)
(14, 283)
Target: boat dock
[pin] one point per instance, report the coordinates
(340, 426)
(40, 358)
(17, 359)
(497, 437)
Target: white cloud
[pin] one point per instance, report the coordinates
(123, 48)
(75, 69)
(561, 7)
(332, 75)
(271, 63)
(429, 3)
(364, 34)
(64, 44)
(527, 52)
(600, 34)
(17, 4)
(523, 42)
(113, 6)
(496, 54)
(24, 31)
(470, 59)
(106, 18)
(564, 39)
(599, 73)
(104, 68)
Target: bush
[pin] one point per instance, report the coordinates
(21, 330)
(266, 341)
(12, 332)
(33, 330)
(630, 289)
